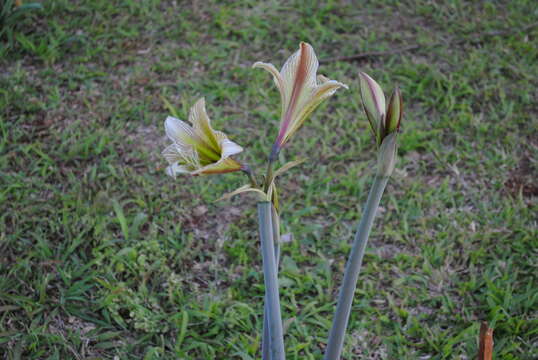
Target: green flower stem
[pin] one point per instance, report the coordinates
(276, 337)
(266, 355)
(353, 267)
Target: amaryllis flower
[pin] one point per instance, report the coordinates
(198, 149)
(300, 91)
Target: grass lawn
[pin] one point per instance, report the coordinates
(102, 256)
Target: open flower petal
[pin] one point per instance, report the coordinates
(279, 82)
(202, 127)
(299, 75)
(321, 92)
(229, 148)
(179, 131)
(176, 169)
(224, 165)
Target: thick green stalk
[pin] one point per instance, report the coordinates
(276, 337)
(266, 352)
(353, 267)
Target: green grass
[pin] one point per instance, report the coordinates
(102, 255)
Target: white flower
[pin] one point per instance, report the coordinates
(300, 91)
(198, 149)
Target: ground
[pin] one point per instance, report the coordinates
(104, 257)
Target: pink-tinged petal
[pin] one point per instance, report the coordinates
(201, 124)
(322, 92)
(373, 101)
(299, 75)
(299, 71)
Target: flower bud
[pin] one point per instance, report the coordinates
(373, 101)
(394, 112)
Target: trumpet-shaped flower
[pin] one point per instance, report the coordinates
(300, 91)
(198, 149)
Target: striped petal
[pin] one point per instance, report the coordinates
(319, 94)
(179, 132)
(201, 124)
(373, 101)
(224, 165)
(176, 169)
(279, 82)
(299, 75)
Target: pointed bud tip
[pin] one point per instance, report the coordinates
(373, 101)
(394, 111)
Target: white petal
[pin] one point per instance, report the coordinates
(327, 88)
(229, 148)
(176, 169)
(171, 154)
(179, 131)
(277, 78)
(272, 69)
(322, 79)
(320, 93)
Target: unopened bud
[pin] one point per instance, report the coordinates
(373, 101)
(394, 112)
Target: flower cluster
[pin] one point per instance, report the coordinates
(200, 150)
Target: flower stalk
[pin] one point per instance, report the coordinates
(266, 347)
(353, 268)
(385, 124)
(276, 336)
